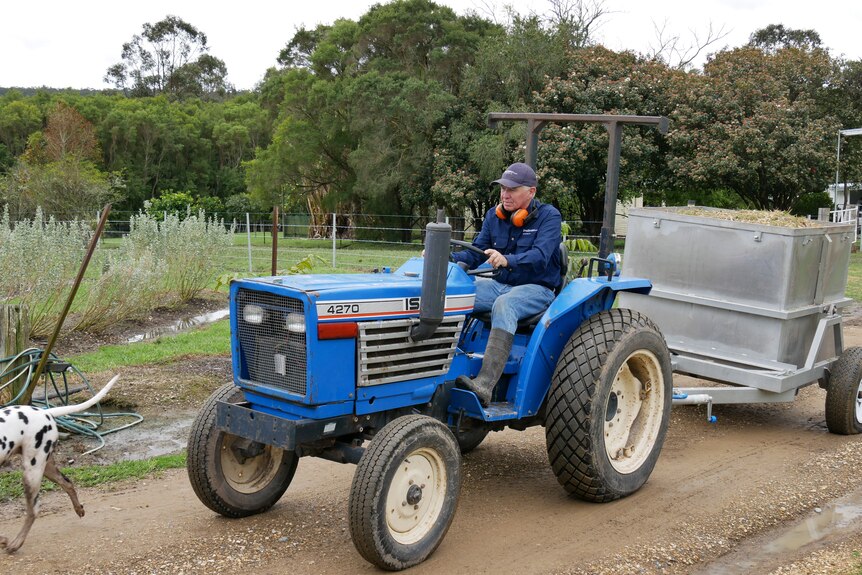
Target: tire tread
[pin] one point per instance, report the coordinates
(569, 405)
(841, 393)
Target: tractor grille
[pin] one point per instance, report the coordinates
(274, 355)
(387, 354)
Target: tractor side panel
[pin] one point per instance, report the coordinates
(581, 299)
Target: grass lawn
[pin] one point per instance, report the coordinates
(11, 486)
(213, 339)
(854, 277)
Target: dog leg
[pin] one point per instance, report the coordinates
(53, 473)
(32, 483)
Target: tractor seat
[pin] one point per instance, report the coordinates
(529, 323)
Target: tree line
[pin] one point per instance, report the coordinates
(387, 114)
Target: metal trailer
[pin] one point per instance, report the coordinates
(756, 307)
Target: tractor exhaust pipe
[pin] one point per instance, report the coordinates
(432, 303)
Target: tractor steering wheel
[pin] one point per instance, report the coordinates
(482, 272)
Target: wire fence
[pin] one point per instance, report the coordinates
(329, 242)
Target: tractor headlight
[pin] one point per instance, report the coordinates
(253, 314)
(294, 322)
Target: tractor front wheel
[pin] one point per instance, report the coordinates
(405, 492)
(609, 406)
(229, 474)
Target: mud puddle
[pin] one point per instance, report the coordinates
(835, 521)
(180, 325)
(162, 434)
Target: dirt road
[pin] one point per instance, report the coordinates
(719, 499)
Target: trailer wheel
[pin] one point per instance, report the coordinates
(405, 492)
(609, 406)
(844, 394)
(222, 477)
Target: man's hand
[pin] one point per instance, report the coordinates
(496, 259)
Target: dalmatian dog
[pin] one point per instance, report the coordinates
(33, 433)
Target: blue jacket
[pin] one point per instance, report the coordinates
(533, 251)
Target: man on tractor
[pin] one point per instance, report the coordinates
(521, 237)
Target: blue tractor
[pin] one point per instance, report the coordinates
(361, 369)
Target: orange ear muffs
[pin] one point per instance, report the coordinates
(518, 217)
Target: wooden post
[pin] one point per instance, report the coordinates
(14, 338)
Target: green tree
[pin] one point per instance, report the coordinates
(512, 65)
(753, 123)
(359, 104)
(845, 100)
(775, 37)
(573, 157)
(169, 57)
(58, 171)
(18, 119)
(160, 145)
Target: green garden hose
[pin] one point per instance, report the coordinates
(56, 378)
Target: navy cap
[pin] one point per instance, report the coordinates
(517, 175)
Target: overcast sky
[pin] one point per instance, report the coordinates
(71, 44)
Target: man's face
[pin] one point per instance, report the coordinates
(516, 198)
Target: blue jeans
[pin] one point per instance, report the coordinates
(508, 304)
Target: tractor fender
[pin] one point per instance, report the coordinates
(580, 299)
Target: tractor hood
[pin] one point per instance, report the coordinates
(360, 297)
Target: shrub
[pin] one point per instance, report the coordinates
(186, 248)
(38, 263)
(808, 204)
(171, 203)
(128, 288)
(182, 205)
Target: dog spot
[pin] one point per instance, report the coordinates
(40, 435)
(33, 462)
(11, 445)
(7, 411)
(23, 417)
(2, 420)
(48, 446)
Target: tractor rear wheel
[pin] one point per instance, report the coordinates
(226, 474)
(405, 492)
(609, 406)
(844, 394)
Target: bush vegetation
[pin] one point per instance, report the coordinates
(38, 261)
(159, 263)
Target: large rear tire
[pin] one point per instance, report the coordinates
(609, 406)
(223, 478)
(844, 394)
(405, 492)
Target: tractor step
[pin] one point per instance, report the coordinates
(465, 401)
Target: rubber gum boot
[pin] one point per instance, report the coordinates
(496, 354)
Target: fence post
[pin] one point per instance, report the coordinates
(274, 238)
(823, 214)
(248, 238)
(14, 338)
(333, 240)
